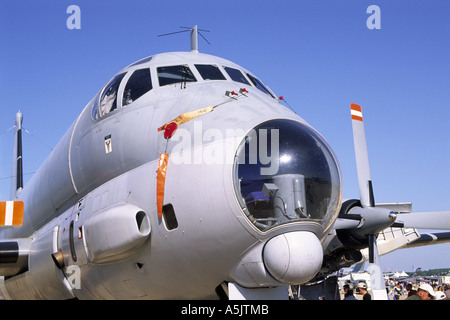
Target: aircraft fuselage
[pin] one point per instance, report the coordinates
(94, 199)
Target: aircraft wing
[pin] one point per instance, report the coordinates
(401, 236)
(406, 224)
(427, 239)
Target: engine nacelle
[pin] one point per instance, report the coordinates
(349, 238)
(14, 256)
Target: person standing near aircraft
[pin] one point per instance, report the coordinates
(349, 295)
(363, 291)
(397, 291)
(411, 291)
(424, 292)
(447, 290)
(346, 287)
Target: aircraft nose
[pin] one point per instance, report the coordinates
(294, 257)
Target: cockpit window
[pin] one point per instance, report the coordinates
(209, 72)
(138, 84)
(236, 75)
(258, 84)
(175, 74)
(108, 100)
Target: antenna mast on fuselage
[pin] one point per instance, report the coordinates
(194, 39)
(194, 36)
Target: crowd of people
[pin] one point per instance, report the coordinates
(400, 290)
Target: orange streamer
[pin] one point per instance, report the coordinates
(160, 181)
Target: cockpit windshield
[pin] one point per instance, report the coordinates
(127, 87)
(209, 72)
(236, 75)
(108, 100)
(175, 74)
(258, 84)
(138, 84)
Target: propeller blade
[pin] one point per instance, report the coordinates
(374, 218)
(439, 220)
(376, 275)
(362, 157)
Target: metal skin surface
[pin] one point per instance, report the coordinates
(99, 208)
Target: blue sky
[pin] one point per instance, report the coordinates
(319, 55)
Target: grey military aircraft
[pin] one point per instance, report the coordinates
(186, 177)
